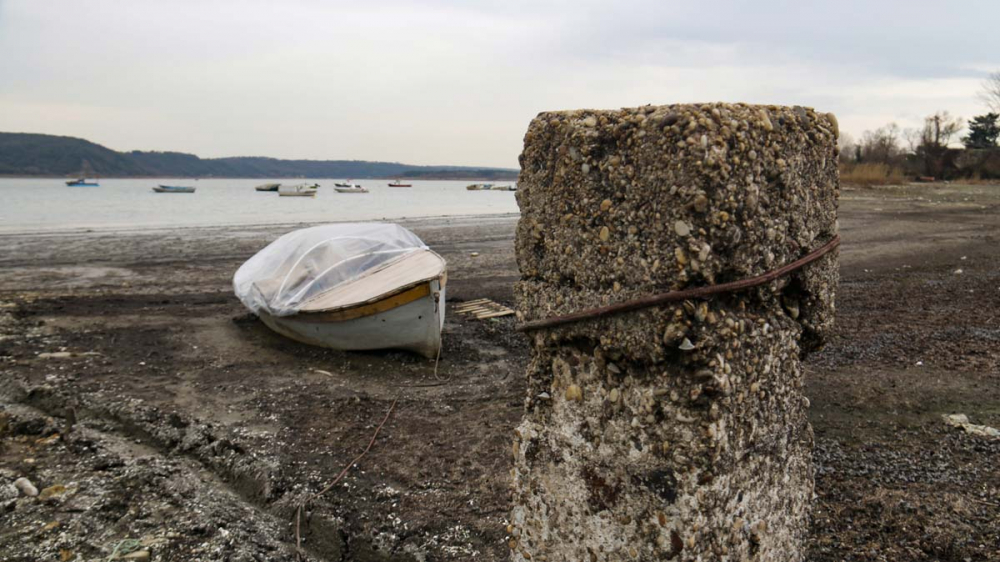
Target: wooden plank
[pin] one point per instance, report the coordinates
(483, 309)
(477, 307)
(507, 312)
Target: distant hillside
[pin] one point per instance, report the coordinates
(24, 154)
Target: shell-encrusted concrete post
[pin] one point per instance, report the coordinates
(677, 432)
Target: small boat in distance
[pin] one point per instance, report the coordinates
(346, 184)
(173, 189)
(301, 190)
(268, 187)
(503, 188)
(83, 182)
(349, 287)
(479, 187)
(397, 183)
(355, 189)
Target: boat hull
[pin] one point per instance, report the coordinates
(82, 184)
(297, 193)
(350, 190)
(414, 325)
(163, 189)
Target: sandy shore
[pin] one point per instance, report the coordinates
(198, 431)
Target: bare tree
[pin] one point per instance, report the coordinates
(934, 139)
(846, 147)
(939, 129)
(881, 145)
(914, 138)
(990, 92)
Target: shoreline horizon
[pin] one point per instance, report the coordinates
(422, 178)
(138, 228)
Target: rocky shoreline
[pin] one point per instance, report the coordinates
(196, 432)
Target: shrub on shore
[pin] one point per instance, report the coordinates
(871, 174)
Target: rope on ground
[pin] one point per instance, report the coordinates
(124, 546)
(674, 296)
(436, 361)
(328, 487)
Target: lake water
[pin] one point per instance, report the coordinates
(29, 205)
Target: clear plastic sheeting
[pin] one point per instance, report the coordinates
(304, 264)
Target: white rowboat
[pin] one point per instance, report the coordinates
(350, 287)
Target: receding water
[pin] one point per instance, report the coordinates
(49, 204)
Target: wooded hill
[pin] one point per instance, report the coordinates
(25, 154)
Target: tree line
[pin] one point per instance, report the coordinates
(28, 154)
(928, 151)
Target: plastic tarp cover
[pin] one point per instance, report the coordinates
(305, 263)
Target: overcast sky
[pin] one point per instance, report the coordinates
(456, 82)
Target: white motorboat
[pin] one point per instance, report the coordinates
(349, 286)
(300, 190)
(355, 189)
(348, 183)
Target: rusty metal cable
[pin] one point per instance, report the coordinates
(674, 296)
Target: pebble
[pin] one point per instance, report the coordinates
(686, 345)
(26, 487)
(574, 392)
(682, 228)
(605, 234)
(700, 203)
(137, 555)
(52, 491)
(474, 254)
(590, 121)
(765, 121)
(833, 122)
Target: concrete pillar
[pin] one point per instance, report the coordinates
(677, 432)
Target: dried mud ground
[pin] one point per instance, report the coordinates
(157, 418)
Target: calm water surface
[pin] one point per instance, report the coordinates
(49, 204)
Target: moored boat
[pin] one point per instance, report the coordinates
(347, 183)
(268, 187)
(173, 189)
(397, 183)
(502, 188)
(300, 190)
(350, 287)
(82, 182)
(479, 187)
(355, 189)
